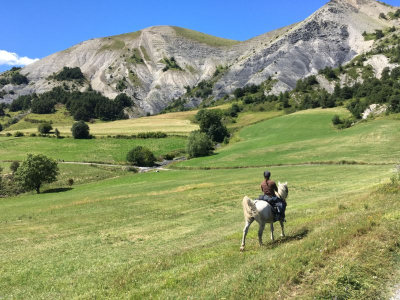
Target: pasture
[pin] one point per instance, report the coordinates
(307, 137)
(106, 150)
(176, 234)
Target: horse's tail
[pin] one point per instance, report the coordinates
(249, 208)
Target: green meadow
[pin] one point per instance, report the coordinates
(308, 137)
(175, 234)
(108, 150)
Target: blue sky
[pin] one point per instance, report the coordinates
(35, 29)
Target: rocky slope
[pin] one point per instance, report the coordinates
(135, 62)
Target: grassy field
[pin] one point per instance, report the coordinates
(97, 150)
(307, 136)
(176, 234)
(174, 123)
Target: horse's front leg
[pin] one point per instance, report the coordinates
(272, 232)
(245, 230)
(260, 233)
(282, 227)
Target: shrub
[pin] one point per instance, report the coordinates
(8, 134)
(198, 145)
(18, 79)
(45, 128)
(14, 166)
(70, 182)
(141, 156)
(336, 120)
(36, 170)
(18, 134)
(80, 130)
(1, 127)
(32, 135)
(70, 74)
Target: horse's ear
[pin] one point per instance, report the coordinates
(279, 183)
(286, 183)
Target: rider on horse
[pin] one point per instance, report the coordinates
(269, 189)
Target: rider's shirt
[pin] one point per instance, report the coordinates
(268, 187)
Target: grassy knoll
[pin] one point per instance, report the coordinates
(204, 38)
(308, 136)
(176, 235)
(96, 150)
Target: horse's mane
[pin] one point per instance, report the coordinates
(283, 190)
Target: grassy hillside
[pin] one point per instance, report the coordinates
(96, 150)
(176, 234)
(308, 136)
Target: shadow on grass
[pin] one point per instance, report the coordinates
(302, 233)
(58, 190)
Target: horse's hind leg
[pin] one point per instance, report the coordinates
(282, 227)
(245, 230)
(272, 232)
(260, 233)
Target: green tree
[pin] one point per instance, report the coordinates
(141, 156)
(211, 124)
(199, 144)
(80, 130)
(45, 128)
(57, 133)
(36, 170)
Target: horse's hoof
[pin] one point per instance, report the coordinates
(241, 249)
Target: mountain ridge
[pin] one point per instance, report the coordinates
(135, 62)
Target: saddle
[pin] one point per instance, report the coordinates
(277, 204)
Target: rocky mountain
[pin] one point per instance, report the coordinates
(155, 65)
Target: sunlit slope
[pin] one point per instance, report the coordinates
(176, 234)
(308, 137)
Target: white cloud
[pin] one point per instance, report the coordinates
(12, 59)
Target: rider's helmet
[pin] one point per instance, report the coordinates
(267, 174)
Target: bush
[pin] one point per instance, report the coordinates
(14, 166)
(70, 74)
(70, 182)
(336, 120)
(141, 156)
(18, 134)
(199, 144)
(80, 130)
(45, 128)
(18, 79)
(36, 170)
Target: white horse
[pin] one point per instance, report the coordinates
(261, 211)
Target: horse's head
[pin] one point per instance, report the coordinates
(283, 190)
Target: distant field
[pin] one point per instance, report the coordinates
(95, 150)
(176, 234)
(174, 123)
(308, 136)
